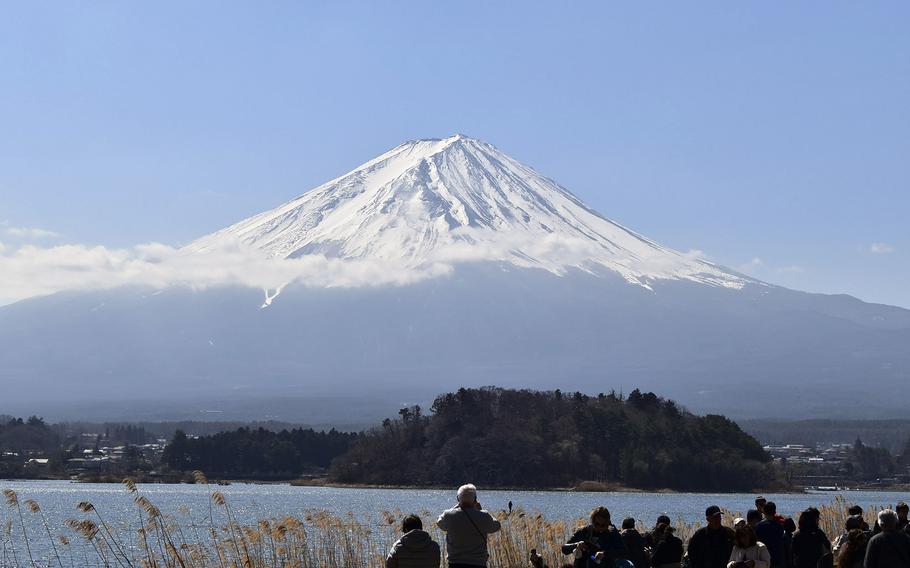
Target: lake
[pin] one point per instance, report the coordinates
(189, 504)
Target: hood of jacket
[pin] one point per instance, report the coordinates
(416, 540)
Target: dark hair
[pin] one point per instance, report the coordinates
(753, 515)
(411, 523)
(745, 531)
(807, 521)
(853, 522)
(902, 507)
(601, 513)
(789, 525)
(854, 510)
(628, 523)
(662, 530)
(854, 549)
(770, 508)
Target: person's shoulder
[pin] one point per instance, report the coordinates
(876, 538)
(583, 530)
(396, 547)
(445, 516)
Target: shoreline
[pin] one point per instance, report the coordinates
(582, 487)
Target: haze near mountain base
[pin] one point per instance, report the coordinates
(446, 263)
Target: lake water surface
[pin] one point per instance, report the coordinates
(190, 503)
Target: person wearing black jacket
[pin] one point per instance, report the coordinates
(650, 542)
(666, 549)
(711, 546)
(598, 544)
(635, 543)
(770, 532)
(809, 542)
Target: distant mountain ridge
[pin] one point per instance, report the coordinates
(539, 291)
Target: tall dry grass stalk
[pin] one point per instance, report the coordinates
(316, 540)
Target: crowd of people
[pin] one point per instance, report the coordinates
(762, 539)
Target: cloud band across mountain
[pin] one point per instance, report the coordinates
(31, 270)
(36, 271)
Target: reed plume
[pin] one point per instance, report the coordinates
(315, 539)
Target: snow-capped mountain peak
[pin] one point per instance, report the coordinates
(452, 200)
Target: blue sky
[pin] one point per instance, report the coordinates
(773, 137)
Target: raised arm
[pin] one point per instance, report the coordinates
(443, 522)
(491, 523)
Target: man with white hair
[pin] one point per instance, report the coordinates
(466, 526)
(889, 548)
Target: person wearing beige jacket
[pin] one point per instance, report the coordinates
(747, 551)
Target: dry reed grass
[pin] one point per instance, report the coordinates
(317, 540)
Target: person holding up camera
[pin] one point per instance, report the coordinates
(598, 544)
(467, 526)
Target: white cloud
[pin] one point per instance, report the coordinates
(30, 270)
(792, 269)
(34, 271)
(881, 248)
(758, 267)
(30, 233)
(751, 266)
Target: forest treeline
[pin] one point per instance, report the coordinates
(257, 453)
(502, 437)
(493, 436)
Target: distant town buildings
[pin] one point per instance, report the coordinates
(832, 466)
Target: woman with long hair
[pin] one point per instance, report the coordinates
(747, 551)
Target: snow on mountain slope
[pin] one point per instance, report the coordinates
(455, 200)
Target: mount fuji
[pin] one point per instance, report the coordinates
(439, 264)
(459, 199)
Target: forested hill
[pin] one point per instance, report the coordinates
(501, 437)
